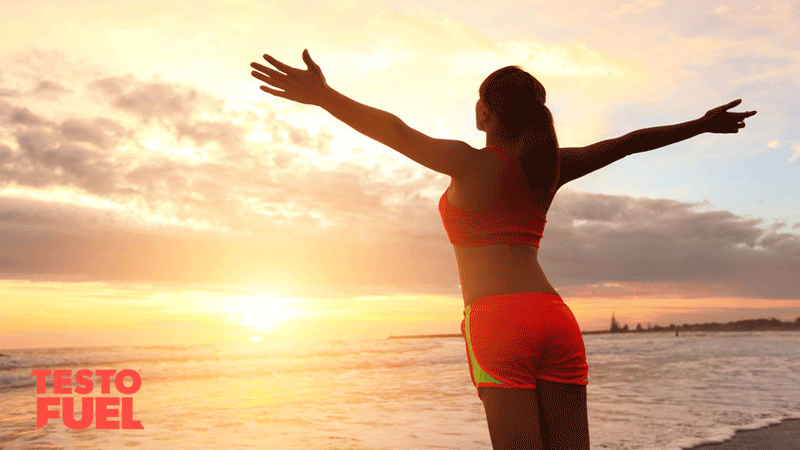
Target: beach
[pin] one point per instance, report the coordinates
(781, 436)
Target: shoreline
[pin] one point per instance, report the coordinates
(784, 435)
(632, 332)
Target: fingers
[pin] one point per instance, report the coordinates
(733, 103)
(270, 76)
(722, 111)
(281, 66)
(267, 70)
(721, 120)
(265, 73)
(742, 115)
(309, 62)
(277, 82)
(274, 92)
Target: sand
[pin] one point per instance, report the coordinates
(781, 436)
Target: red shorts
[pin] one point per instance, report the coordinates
(515, 339)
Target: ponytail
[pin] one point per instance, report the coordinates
(517, 100)
(539, 155)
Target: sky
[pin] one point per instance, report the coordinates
(150, 193)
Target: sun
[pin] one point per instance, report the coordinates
(263, 312)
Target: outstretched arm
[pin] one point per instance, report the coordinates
(446, 156)
(577, 162)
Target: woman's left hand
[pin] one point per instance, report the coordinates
(302, 86)
(720, 120)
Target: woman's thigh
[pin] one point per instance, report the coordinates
(513, 418)
(563, 420)
(551, 417)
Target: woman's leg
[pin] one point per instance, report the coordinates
(563, 420)
(551, 417)
(513, 418)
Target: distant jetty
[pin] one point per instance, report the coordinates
(426, 336)
(772, 324)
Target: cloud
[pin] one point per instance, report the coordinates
(14, 115)
(86, 198)
(795, 153)
(101, 132)
(646, 244)
(635, 7)
(190, 157)
(595, 245)
(155, 99)
(59, 155)
(51, 90)
(5, 153)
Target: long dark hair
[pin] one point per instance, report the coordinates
(517, 100)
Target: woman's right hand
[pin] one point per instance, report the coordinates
(720, 120)
(302, 86)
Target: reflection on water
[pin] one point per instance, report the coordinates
(655, 390)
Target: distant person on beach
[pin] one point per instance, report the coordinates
(524, 347)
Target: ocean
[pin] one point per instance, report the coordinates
(646, 391)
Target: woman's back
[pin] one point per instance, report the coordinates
(497, 268)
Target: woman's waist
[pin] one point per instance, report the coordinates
(510, 283)
(500, 269)
(530, 298)
(517, 294)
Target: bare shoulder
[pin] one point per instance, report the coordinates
(448, 156)
(466, 164)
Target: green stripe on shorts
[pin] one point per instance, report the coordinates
(478, 374)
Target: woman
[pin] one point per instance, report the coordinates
(524, 346)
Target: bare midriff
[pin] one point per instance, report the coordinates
(500, 269)
(497, 268)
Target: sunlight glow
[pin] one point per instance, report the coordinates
(263, 312)
(259, 136)
(156, 144)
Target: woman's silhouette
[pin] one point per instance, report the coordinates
(524, 346)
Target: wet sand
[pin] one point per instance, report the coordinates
(781, 436)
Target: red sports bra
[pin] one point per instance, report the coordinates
(510, 219)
